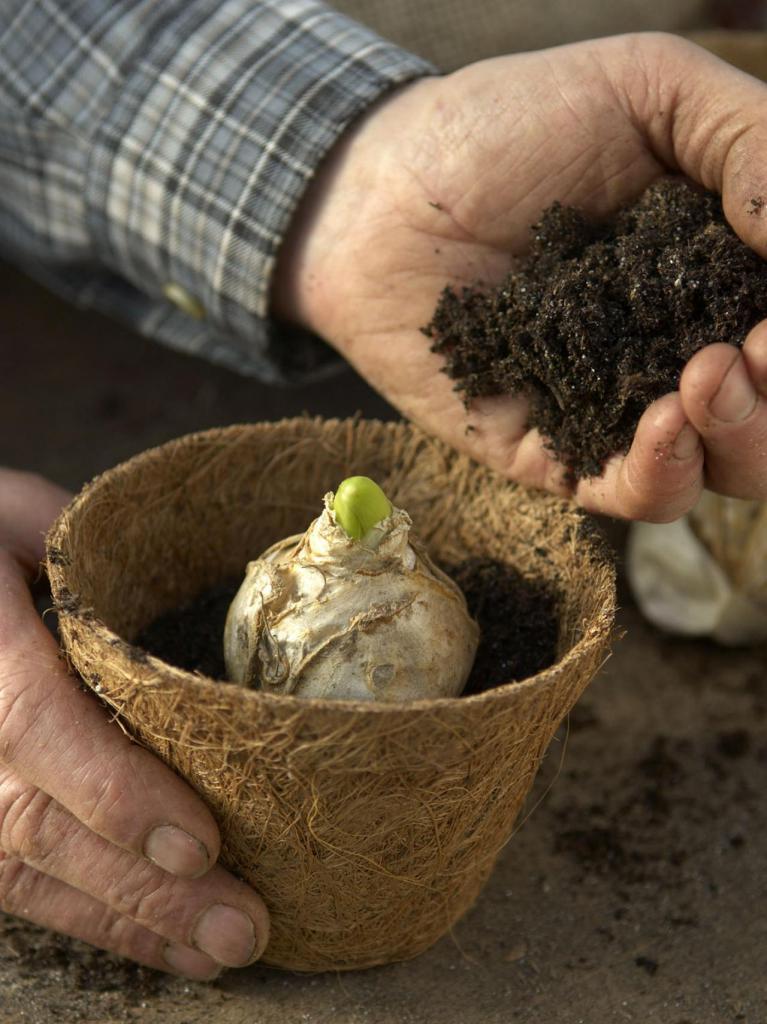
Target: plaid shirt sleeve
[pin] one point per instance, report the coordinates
(152, 155)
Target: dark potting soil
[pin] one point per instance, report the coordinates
(599, 319)
(518, 622)
(517, 619)
(192, 637)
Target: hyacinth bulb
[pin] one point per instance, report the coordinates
(351, 609)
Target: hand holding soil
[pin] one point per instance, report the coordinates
(439, 185)
(98, 839)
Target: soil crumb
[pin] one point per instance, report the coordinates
(517, 619)
(600, 318)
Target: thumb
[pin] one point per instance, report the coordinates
(709, 120)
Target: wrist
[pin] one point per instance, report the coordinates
(358, 185)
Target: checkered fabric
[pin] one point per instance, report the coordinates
(145, 144)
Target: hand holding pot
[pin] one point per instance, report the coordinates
(98, 839)
(439, 184)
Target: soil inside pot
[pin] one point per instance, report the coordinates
(517, 620)
(517, 617)
(599, 319)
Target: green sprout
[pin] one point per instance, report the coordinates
(359, 505)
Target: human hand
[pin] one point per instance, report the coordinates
(439, 184)
(98, 838)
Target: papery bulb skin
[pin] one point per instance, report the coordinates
(706, 573)
(329, 616)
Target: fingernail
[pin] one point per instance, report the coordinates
(687, 442)
(190, 962)
(226, 934)
(736, 396)
(176, 851)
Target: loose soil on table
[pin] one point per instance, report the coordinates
(600, 318)
(517, 617)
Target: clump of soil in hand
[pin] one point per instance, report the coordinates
(517, 619)
(599, 319)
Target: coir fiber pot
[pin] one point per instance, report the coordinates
(367, 828)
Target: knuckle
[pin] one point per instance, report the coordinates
(655, 60)
(118, 796)
(145, 897)
(15, 818)
(24, 822)
(110, 928)
(115, 932)
(106, 807)
(16, 884)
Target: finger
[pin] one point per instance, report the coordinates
(498, 436)
(660, 478)
(28, 506)
(535, 465)
(707, 118)
(45, 901)
(61, 740)
(217, 914)
(724, 393)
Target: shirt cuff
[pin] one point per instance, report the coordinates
(222, 117)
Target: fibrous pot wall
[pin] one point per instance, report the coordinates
(369, 829)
